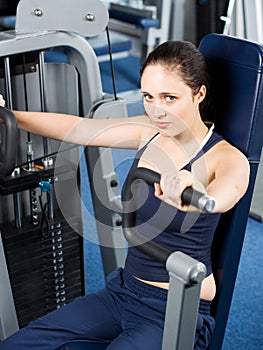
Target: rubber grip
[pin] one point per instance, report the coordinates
(8, 150)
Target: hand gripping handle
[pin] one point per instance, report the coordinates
(9, 142)
(189, 196)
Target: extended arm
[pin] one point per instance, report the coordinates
(231, 180)
(110, 132)
(119, 132)
(228, 178)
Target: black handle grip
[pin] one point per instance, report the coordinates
(134, 238)
(198, 199)
(189, 195)
(9, 142)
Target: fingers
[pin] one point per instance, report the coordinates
(171, 187)
(2, 101)
(158, 191)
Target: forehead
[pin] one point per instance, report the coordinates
(161, 69)
(161, 78)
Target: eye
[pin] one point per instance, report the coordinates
(147, 97)
(170, 98)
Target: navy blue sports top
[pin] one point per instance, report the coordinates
(176, 230)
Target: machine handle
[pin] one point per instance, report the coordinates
(8, 149)
(155, 251)
(189, 195)
(198, 199)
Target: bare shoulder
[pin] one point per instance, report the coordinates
(224, 151)
(229, 162)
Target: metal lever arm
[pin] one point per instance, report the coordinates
(185, 273)
(189, 195)
(129, 215)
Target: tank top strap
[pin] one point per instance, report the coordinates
(152, 139)
(142, 149)
(213, 140)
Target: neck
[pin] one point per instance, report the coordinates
(194, 135)
(190, 140)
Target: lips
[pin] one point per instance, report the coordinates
(162, 125)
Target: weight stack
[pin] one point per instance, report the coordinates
(45, 269)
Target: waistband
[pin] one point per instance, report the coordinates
(143, 289)
(146, 290)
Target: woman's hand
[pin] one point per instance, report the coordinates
(2, 101)
(172, 186)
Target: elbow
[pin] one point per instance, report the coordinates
(243, 184)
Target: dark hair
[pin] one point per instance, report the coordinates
(184, 58)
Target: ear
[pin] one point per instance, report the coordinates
(201, 94)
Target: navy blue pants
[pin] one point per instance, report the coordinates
(128, 314)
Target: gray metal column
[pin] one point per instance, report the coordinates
(244, 19)
(8, 319)
(106, 194)
(186, 275)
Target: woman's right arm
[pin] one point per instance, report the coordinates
(112, 132)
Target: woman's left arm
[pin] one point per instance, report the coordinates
(230, 181)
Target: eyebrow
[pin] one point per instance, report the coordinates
(161, 93)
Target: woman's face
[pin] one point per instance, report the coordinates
(168, 101)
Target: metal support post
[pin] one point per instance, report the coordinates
(244, 19)
(156, 36)
(186, 275)
(106, 194)
(253, 22)
(178, 19)
(8, 318)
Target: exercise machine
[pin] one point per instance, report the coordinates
(230, 72)
(42, 264)
(244, 19)
(238, 117)
(148, 19)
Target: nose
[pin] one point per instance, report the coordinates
(155, 111)
(159, 112)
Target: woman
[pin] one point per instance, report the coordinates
(173, 140)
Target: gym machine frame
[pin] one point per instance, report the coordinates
(39, 28)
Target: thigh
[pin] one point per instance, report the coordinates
(87, 317)
(142, 320)
(140, 337)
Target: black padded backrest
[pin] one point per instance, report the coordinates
(235, 67)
